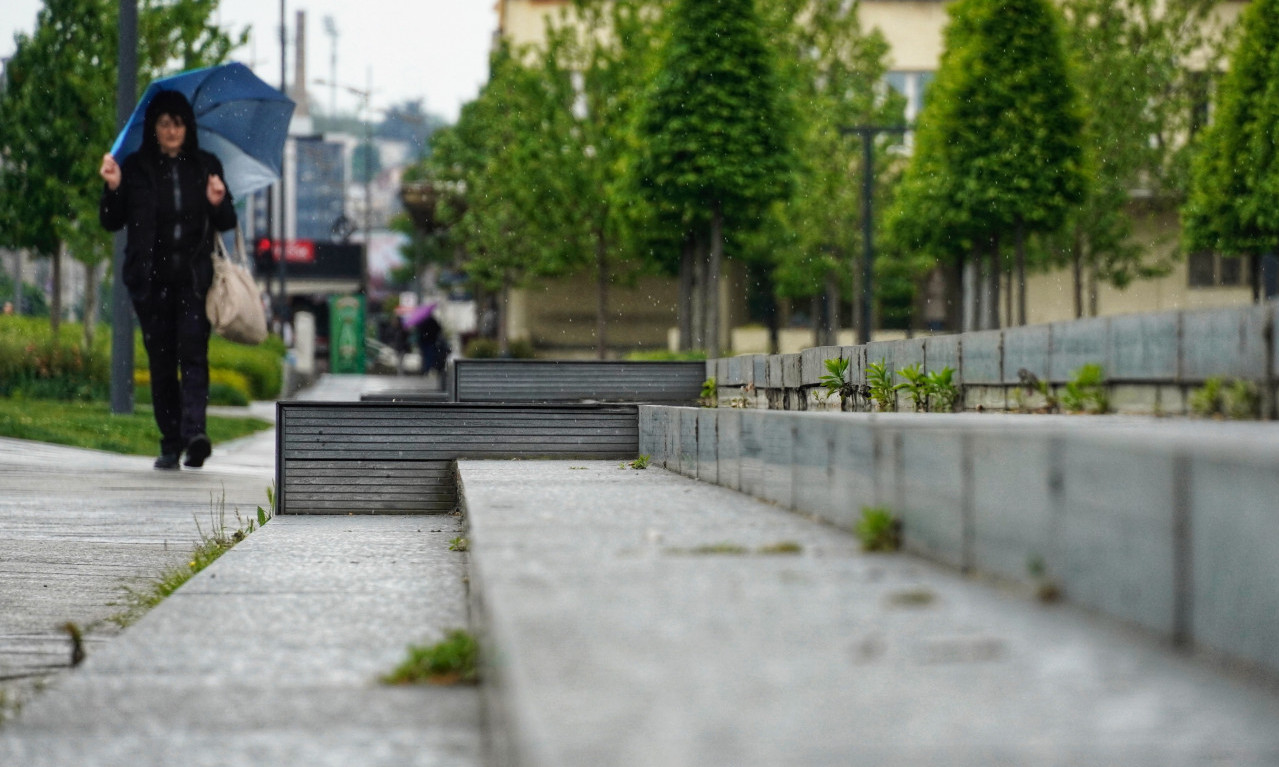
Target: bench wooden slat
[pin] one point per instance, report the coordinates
(577, 380)
(398, 457)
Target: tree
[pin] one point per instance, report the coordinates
(57, 116)
(998, 151)
(497, 154)
(832, 70)
(714, 142)
(593, 69)
(1231, 208)
(1141, 100)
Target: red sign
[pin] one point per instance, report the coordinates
(297, 252)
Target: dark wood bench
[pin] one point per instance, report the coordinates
(664, 383)
(398, 457)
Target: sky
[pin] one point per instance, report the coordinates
(435, 50)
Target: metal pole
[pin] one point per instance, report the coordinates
(121, 310)
(282, 267)
(868, 236)
(368, 175)
(867, 134)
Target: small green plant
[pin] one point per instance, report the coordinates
(836, 382)
(1206, 401)
(733, 549)
(915, 385)
(453, 660)
(1241, 400)
(1046, 588)
(641, 462)
(781, 547)
(942, 391)
(710, 393)
(1030, 384)
(879, 383)
(1086, 391)
(459, 544)
(1226, 398)
(916, 597)
(878, 529)
(211, 545)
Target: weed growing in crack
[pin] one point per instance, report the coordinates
(450, 661)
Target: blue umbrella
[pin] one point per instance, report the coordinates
(241, 119)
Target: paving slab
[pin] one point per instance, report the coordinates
(270, 656)
(617, 639)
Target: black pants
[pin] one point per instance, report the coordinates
(175, 332)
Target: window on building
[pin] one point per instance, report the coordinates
(912, 85)
(1213, 270)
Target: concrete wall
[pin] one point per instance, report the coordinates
(1152, 362)
(1168, 525)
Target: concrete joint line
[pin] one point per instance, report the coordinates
(1183, 558)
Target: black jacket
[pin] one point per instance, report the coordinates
(135, 205)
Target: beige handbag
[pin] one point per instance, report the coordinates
(233, 303)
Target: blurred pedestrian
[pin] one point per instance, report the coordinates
(171, 199)
(430, 338)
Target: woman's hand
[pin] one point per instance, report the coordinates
(110, 172)
(216, 190)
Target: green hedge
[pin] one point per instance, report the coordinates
(32, 366)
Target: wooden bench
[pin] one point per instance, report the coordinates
(398, 457)
(658, 383)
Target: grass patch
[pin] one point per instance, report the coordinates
(459, 544)
(93, 425)
(212, 544)
(781, 547)
(641, 462)
(450, 661)
(878, 530)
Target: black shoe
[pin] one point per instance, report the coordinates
(167, 461)
(197, 450)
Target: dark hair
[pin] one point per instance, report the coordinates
(174, 104)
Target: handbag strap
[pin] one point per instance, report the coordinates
(240, 257)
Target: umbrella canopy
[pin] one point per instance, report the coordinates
(239, 118)
(417, 315)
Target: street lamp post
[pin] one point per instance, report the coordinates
(121, 311)
(284, 199)
(867, 134)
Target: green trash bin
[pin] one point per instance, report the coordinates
(346, 334)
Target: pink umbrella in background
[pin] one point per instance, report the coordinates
(416, 316)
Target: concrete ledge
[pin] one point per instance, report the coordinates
(1151, 361)
(1166, 525)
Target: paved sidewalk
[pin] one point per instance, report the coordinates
(268, 657)
(628, 632)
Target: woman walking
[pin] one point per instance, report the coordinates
(170, 198)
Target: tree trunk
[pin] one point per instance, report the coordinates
(1077, 271)
(970, 290)
(698, 307)
(90, 305)
(1254, 276)
(503, 315)
(1092, 292)
(1021, 276)
(55, 303)
(714, 265)
(19, 256)
(774, 334)
(831, 317)
(1009, 284)
(601, 296)
(684, 312)
(993, 278)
